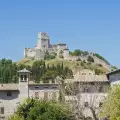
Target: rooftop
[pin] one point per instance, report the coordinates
(24, 71)
(113, 72)
(13, 87)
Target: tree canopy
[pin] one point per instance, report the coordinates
(111, 106)
(40, 71)
(33, 109)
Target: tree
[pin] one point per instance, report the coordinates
(90, 59)
(34, 109)
(111, 106)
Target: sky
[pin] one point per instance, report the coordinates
(92, 25)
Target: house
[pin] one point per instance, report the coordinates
(90, 91)
(114, 77)
(11, 95)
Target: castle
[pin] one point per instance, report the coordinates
(61, 49)
(43, 46)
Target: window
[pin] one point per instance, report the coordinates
(86, 89)
(46, 87)
(83, 73)
(100, 104)
(2, 110)
(86, 104)
(100, 89)
(21, 77)
(45, 95)
(25, 77)
(9, 93)
(54, 87)
(37, 95)
(54, 95)
(36, 87)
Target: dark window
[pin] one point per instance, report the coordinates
(2, 110)
(86, 89)
(36, 87)
(86, 104)
(25, 77)
(21, 77)
(54, 87)
(9, 93)
(100, 104)
(100, 89)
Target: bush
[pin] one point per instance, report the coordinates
(90, 59)
(42, 110)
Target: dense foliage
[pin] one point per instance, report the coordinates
(40, 71)
(111, 106)
(78, 52)
(8, 71)
(41, 110)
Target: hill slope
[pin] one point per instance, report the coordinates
(73, 65)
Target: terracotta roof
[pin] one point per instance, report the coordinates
(9, 87)
(24, 71)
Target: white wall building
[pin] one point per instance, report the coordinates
(11, 95)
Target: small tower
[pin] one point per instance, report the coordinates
(24, 75)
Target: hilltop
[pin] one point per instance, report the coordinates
(73, 65)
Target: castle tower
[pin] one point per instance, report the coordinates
(43, 41)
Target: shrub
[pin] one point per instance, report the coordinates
(90, 59)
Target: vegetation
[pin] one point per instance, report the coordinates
(49, 56)
(101, 57)
(78, 52)
(111, 106)
(34, 109)
(90, 59)
(40, 71)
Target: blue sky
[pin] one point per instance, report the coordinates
(92, 25)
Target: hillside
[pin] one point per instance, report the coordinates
(73, 65)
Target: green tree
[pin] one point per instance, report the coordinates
(42, 110)
(111, 106)
(90, 59)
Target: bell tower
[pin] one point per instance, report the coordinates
(24, 78)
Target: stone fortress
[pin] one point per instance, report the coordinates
(44, 45)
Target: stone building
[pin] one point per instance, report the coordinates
(89, 91)
(114, 77)
(43, 46)
(11, 95)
